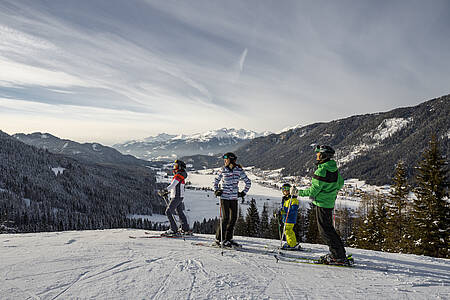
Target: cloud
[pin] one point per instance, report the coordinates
(18, 74)
(242, 60)
(229, 63)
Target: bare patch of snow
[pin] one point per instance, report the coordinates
(388, 127)
(27, 201)
(58, 170)
(355, 152)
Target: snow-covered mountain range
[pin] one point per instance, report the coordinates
(166, 146)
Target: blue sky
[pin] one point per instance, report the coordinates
(110, 71)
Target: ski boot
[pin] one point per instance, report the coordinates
(289, 248)
(328, 259)
(185, 232)
(227, 244)
(235, 244)
(170, 232)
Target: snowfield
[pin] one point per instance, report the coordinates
(107, 264)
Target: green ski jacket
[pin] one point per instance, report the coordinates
(325, 184)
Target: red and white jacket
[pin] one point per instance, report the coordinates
(176, 187)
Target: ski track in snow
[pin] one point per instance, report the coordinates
(109, 265)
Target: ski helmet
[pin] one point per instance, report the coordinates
(286, 187)
(181, 164)
(326, 151)
(231, 156)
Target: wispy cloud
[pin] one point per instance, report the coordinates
(207, 64)
(242, 60)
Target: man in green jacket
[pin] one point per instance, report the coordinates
(325, 184)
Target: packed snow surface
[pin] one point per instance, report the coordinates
(108, 264)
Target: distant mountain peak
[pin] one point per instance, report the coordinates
(207, 143)
(242, 134)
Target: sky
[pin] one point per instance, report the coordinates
(111, 71)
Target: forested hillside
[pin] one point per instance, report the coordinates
(87, 152)
(44, 191)
(367, 146)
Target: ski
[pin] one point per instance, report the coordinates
(285, 257)
(214, 245)
(163, 234)
(314, 261)
(272, 248)
(155, 236)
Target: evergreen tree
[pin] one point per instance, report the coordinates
(366, 231)
(397, 236)
(252, 220)
(264, 228)
(381, 219)
(370, 234)
(240, 227)
(300, 228)
(312, 235)
(275, 230)
(431, 211)
(344, 223)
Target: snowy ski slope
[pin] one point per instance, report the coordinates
(109, 265)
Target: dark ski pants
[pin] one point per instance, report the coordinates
(176, 205)
(324, 217)
(229, 218)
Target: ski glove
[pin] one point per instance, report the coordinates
(293, 191)
(218, 193)
(163, 192)
(241, 194)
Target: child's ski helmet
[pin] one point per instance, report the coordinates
(286, 187)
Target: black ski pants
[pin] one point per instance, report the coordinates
(324, 217)
(229, 218)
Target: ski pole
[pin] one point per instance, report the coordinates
(284, 227)
(221, 231)
(279, 227)
(220, 223)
